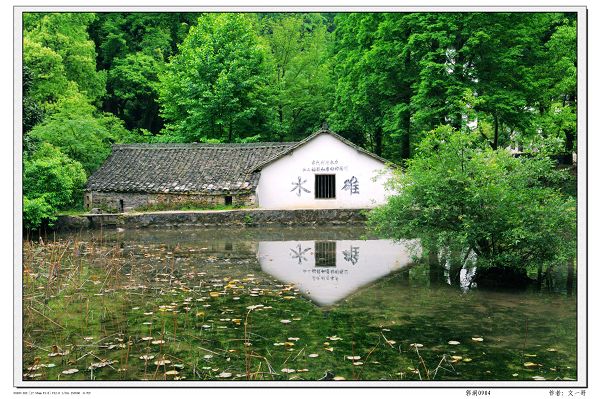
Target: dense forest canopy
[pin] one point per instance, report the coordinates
(382, 80)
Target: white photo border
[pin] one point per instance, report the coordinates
(582, 197)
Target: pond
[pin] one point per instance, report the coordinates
(279, 304)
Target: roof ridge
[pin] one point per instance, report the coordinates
(323, 130)
(201, 145)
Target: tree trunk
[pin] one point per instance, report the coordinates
(538, 282)
(406, 138)
(378, 140)
(495, 143)
(280, 112)
(569, 144)
(569, 139)
(455, 266)
(436, 272)
(570, 277)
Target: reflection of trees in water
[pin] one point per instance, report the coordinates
(456, 267)
(451, 266)
(570, 277)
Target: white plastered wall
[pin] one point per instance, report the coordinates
(278, 187)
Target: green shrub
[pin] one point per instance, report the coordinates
(51, 182)
(509, 211)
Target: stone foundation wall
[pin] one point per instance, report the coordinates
(111, 201)
(241, 217)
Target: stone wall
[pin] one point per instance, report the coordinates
(111, 201)
(241, 217)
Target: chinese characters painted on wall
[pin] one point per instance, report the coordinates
(299, 254)
(325, 274)
(351, 255)
(325, 165)
(299, 186)
(351, 185)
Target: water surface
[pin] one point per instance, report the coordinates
(280, 303)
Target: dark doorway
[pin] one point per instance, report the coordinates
(121, 206)
(228, 200)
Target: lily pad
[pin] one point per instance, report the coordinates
(530, 364)
(70, 371)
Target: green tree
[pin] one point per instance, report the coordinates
(51, 182)
(133, 48)
(509, 211)
(32, 111)
(556, 85)
(47, 80)
(118, 34)
(132, 84)
(77, 130)
(445, 69)
(64, 36)
(375, 73)
(504, 50)
(300, 46)
(216, 87)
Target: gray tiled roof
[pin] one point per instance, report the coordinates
(184, 168)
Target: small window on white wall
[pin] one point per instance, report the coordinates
(325, 186)
(325, 253)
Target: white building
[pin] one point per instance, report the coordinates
(322, 171)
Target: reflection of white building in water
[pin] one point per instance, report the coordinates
(328, 271)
